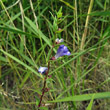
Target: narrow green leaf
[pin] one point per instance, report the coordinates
(101, 13)
(84, 97)
(24, 79)
(15, 30)
(20, 62)
(100, 4)
(24, 56)
(3, 59)
(66, 3)
(37, 100)
(16, 15)
(90, 104)
(43, 108)
(59, 13)
(38, 32)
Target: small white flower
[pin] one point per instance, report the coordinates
(59, 40)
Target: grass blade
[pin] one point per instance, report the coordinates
(84, 97)
(20, 62)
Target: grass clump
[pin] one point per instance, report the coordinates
(27, 31)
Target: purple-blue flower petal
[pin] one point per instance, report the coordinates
(67, 53)
(61, 46)
(42, 69)
(62, 50)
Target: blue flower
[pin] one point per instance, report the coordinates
(42, 70)
(62, 50)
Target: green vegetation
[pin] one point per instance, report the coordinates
(80, 81)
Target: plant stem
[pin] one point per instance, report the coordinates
(43, 90)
